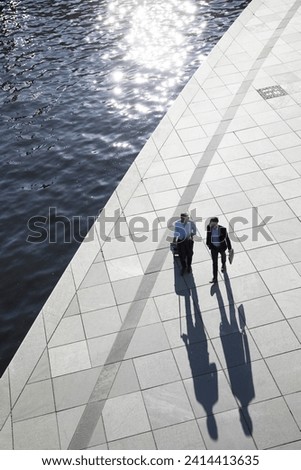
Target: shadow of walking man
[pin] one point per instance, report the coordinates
(204, 372)
(237, 353)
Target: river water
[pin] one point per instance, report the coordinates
(83, 83)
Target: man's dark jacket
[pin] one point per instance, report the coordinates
(223, 238)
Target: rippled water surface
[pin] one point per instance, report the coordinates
(82, 86)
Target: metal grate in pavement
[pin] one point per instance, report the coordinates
(271, 92)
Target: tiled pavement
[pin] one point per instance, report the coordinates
(126, 354)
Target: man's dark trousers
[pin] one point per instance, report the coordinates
(185, 250)
(214, 254)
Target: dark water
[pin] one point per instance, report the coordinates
(82, 86)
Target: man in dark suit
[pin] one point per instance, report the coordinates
(218, 241)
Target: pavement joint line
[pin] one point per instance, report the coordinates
(93, 410)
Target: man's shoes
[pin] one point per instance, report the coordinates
(182, 271)
(213, 281)
(189, 269)
(224, 269)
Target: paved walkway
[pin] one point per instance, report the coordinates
(126, 354)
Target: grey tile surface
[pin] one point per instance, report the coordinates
(261, 311)
(229, 433)
(69, 391)
(275, 338)
(96, 275)
(272, 423)
(101, 322)
(281, 278)
(180, 436)
(140, 344)
(126, 380)
(69, 358)
(140, 441)
(94, 298)
(156, 369)
(30, 403)
(125, 416)
(294, 403)
(289, 302)
(68, 331)
(167, 405)
(285, 370)
(37, 433)
(269, 257)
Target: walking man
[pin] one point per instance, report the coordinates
(218, 241)
(184, 232)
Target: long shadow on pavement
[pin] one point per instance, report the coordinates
(204, 372)
(237, 353)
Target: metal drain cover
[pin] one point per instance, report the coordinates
(271, 92)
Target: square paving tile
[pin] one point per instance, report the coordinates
(275, 212)
(285, 369)
(101, 322)
(169, 306)
(156, 369)
(275, 338)
(271, 160)
(69, 391)
(247, 287)
(146, 340)
(167, 405)
(118, 247)
(69, 358)
(289, 189)
(95, 298)
(286, 230)
(281, 278)
(125, 416)
(289, 302)
(37, 433)
(253, 180)
(268, 257)
(224, 186)
(243, 166)
(123, 268)
(233, 202)
(159, 183)
(35, 400)
(138, 205)
(179, 437)
(272, 423)
(266, 195)
(229, 434)
(261, 311)
(281, 173)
